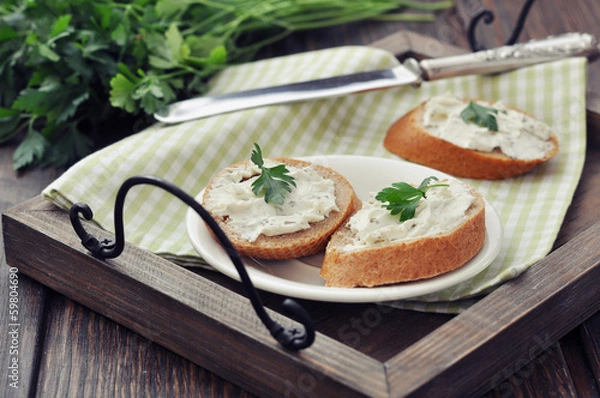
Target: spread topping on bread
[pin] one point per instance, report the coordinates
(249, 215)
(440, 210)
(375, 248)
(518, 135)
(279, 208)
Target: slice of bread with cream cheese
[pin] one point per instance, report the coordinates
(375, 248)
(437, 134)
(320, 202)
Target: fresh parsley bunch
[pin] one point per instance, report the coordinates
(73, 72)
(70, 69)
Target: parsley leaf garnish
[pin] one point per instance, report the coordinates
(480, 115)
(402, 198)
(273, 181)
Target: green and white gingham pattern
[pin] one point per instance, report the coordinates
(531, 207)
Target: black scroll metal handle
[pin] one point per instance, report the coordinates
(290, 338)
(488, 17)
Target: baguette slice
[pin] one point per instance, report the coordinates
(404, 261)
(408, 139)
(301, 243)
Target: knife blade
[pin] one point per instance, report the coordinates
(410, 72)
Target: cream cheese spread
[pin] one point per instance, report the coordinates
(519, 136)
(249, 215)
(442, 210)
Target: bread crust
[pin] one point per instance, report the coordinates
(408, 139)
(404, 261)
(300, 243)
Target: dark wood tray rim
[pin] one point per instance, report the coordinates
(217, 328)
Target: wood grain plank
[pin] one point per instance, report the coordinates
(525, 315)
(548, 369)
(590, 339)
(102, 359)
(406, 43)
(21, 338)
(177, 309)
(22, 341)
(375, 330)
(577, 363)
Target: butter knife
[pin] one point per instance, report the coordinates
(409, 72)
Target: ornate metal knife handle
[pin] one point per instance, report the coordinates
(510, 57)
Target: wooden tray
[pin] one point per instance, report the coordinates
(360, 349)
(367, 349)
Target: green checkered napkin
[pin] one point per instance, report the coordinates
(531, 207)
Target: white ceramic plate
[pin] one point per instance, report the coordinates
(300, 278)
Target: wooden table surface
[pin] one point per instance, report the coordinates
(70, 350)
